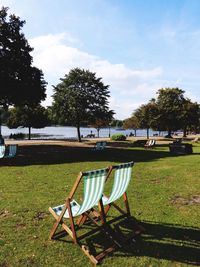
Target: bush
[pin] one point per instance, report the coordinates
(17, 136)
(118, 137)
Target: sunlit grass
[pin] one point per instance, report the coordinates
(158, 194)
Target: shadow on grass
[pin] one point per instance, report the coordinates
(57, 154)
(169, 242)
(166, 241)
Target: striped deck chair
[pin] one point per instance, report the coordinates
(101, 145)
(2, 151)
(11, 151)
(93, 188)
(122, 177)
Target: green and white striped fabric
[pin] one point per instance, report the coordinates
(12, 150)
(2, 151)
(121, 181)
(93, 189)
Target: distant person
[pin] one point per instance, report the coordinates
(1, 140)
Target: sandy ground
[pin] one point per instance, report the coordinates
(90, 141)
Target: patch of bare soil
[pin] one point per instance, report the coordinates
(4, 213)
(20, 226)
(4, 264)
(181, 201)
(40, 215)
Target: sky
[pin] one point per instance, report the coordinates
(136, 46)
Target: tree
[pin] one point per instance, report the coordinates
(190, 116)
(104, 121)
(146, 116)
(131, 123)
(170, 103)
(116, 123)
(28, 116)
(21, 83)
(80, 97)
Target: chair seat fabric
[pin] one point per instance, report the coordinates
(74, 207)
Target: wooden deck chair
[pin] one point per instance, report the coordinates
(2, 151)
(97, 146)
(150, 143)
(101, 145)
(93, 188)
(12, 151)
(122, 177)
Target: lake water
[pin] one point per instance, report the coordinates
(59, 132)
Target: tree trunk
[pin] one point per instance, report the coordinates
(184, 132)
(169, 133)
(147, 133)
(78, 132)
(29, 133)
(98, 132)
(135, 132)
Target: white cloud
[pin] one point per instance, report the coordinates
(129, 87)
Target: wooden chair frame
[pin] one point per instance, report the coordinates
(123, 212)
(71, 229)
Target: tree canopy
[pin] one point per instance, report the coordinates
(81, 97)
(171, 111)
(27, 116)
(21, 83)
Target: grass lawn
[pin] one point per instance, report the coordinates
(164, 195)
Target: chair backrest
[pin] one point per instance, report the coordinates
(97, 146)
(103, 145)
(153, 142)
(2, 151)
(93, 188)
(12, 151)
(122, 178)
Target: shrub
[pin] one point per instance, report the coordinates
(17, 136)
(118, 137)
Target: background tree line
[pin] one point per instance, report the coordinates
(170, 111)
(80, 98)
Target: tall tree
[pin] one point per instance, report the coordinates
(21, 83)
(170, 103)
(190, 116)
(131, 123)
(102, 121)
(146, 116)
(80, 97)
(28, 117)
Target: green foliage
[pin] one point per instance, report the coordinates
(171, 111)
(80, 97)
(131, 123)
(21, 83)
(118, 137)
(116, 123)
(27, 116)
(146, 116)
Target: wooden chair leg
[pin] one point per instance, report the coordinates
(126, 204)
(71, 221)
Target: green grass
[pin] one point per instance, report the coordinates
(161, 195)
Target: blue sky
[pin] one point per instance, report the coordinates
(136, 46)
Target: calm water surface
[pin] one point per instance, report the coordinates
(59, 132)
